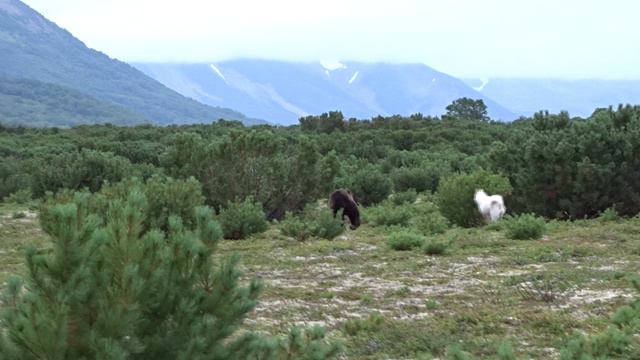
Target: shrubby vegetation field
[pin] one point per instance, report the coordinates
(422, 277)
(558, 167)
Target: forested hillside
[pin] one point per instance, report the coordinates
(38, 104)
(35, 48)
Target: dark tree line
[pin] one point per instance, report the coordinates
(558, 166)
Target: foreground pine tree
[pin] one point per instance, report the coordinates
(108, 290)
(619, 341)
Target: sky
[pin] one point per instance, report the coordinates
(464, 38)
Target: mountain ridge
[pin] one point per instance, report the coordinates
(282, 91)
(37, 49)
(580, 97)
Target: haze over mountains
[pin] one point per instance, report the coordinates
(281, 92)
(50, 78)
(579, 97)
(33, 48)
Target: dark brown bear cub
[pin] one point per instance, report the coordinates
(345, 200)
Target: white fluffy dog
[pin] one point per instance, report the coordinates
(491, 207)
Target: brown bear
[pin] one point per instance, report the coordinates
(345, 200)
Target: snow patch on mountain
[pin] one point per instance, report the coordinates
(482, 85)
(261, 92)
(282, 92)
(217, 71)
(331, 65)
(353, 78)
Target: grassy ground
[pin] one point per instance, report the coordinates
(18, 228)
(384, 303)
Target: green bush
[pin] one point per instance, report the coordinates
(312, 222)
(241, 219)
(19, 215)
(323, 123)
(370, 185)
(436, 247)
(404, 197)
(423, 216)
(566, 168)
(405, 240)
(618, 341)
(495, 226)
(610, 214)
(296, 227)
(386, 214)
(108, 289)
(326, 226)
(456, 353)
(77, 170)
(417, 178)
(372, 323)
(22, 196)
(282, 173)
(310, 344)
(165, 197)
(366, 300)
(455, 195)
(505, 351)
(525, 227)
(428, 219)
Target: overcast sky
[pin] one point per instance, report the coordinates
(465, 38)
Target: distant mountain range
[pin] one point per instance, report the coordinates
(33, 48)
(50, 78)
(578, 97)
(281, 92)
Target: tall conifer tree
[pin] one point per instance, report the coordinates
(108, 289)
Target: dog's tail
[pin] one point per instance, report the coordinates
(497, 210)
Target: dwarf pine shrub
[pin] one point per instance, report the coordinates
(405, 240)
(312, 222)
(404, 197)
(109, 288)
(455, 195)
(241, 219)
(525, 227)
